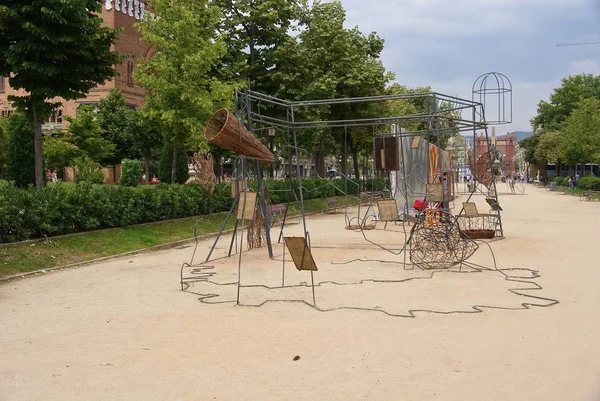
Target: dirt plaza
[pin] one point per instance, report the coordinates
(123, 329)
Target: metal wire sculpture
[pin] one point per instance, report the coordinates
(256, 236)
(485, 171)
(436, 242)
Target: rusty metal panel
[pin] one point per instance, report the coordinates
(246, 210)
(300, 252)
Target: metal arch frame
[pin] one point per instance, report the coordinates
(502, 86)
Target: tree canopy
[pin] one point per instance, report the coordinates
(582, 133)
(566, 129)
(182, 93)
(114, 117)
(552, 114)
(53, 49)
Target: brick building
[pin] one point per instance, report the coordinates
(116, 14)
(507, 145)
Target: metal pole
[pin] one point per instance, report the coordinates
(283, 270)
(241, 236)
(221, 230)
(261, 194)
(298, 172)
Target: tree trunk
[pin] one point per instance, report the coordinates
(271, 172)
(37, 146)
(147, 166)
(344, 164)
(218, 166)
(174, 166)
(354, 152)
(320, 159)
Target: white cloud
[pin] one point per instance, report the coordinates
(525, 97)
(456, 18)
(587, 66)
(447, 44)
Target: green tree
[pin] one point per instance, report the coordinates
(182, 93)
(53, 49)
(253, 30)
(60, 151)
(529, 146)
(550, 148)
(146, 137)
(552, 115)
(114, 117)
(328, 61)
(582, 133)
(86, 133)
(181, 169)
(20, 153)
(3, 145)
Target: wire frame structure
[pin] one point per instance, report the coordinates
(494, 91)
(441, 116)
(437, 243)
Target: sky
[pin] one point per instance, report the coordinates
(448, 44)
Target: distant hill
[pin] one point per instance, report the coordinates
(523, 134)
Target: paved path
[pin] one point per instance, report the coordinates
(123, 330)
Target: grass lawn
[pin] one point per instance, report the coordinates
(61, 251)
(577, 192)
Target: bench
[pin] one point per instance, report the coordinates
(278, 209)
(331, 203)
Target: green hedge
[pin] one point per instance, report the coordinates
(589, 183)
(65, 208)
(315, 188)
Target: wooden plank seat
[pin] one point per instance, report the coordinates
(331, 204)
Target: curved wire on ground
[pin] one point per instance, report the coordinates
(542, 302)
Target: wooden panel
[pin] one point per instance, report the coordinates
(493, 204)
(470, 209)
(386, 154)
(237, 186)
(416, 140)
(435, 192)
(300, 253)
(246, 210)
(388, 209)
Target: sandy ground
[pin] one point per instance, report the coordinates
(124, 330)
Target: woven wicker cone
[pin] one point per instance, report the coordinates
(225, 131)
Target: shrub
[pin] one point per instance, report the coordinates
(87, 170)
(589, 183)
(20, 159)
(65, 208)
(131, 172)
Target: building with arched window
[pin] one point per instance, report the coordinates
(115, 14)
(506, 145)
